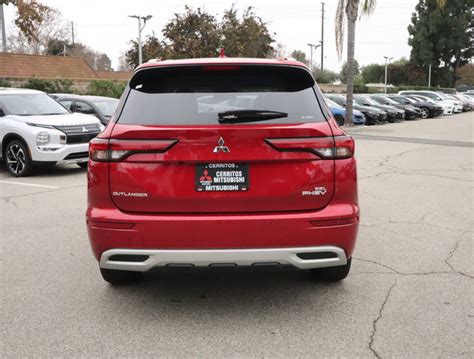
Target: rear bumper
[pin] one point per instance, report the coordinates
(335, 226)
(141, 260)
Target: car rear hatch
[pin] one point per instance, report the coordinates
(221, 138)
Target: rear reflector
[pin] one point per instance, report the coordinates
(101, 150)
(337, 147)
(335, 222)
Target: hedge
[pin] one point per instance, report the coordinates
(106, 88)
(49, 86)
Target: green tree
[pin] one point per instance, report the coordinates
(300, 56)
(38, 27)
(245, 37)
(442, 36)
(192, 34)
(152, 49)
(373, 73)
(326, 76)
(344, 71)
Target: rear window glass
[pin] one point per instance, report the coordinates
(195, 95)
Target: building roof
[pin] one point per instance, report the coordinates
(46, 67)
(53, 67)
(114, 75)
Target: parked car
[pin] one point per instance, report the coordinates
(393, 113)
(172, 184)
(411, 112)
(428, 109)
(448, 108)
(435, 96)
(466, 105)
(99, 106)
(372, 115)
(339, 113)
(35, 129)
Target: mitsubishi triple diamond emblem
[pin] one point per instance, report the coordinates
(221, 146)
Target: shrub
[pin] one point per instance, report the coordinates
(49, 86)
(106, 88)
(5, 83)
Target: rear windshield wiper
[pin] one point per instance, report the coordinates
(249, 116)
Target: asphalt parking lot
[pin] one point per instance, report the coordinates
(410, 292)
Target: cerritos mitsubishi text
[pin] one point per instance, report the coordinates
(222, 177)
(222, 162)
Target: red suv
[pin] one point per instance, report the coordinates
(222, 162)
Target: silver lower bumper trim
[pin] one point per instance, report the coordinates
(221, 257)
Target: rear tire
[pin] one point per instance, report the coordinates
(119, 277)
(332, 274)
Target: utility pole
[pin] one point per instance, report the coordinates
(387, 59)
(429, 76)
(312, 46)
(322, 36)
(4, 35)
(140, 29)
(72, 32)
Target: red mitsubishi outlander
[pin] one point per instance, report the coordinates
(222, 162)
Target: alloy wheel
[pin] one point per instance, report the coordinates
(424, 113)
(16, 159)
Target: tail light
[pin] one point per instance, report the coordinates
(337, 147)
(101, 150)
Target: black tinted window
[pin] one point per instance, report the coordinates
(194, 95)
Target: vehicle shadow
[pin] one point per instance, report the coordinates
(49, 171)
(226, 292)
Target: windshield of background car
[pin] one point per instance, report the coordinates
(106, 107)
(195, 95)
(30, 105)
(331, 103)
(362, 100)
(339, 100)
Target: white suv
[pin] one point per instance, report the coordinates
(35, 129)
(436, 96)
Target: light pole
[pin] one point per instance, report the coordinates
(429, 76)
(312, 46)
(140, 28)
(387, 60)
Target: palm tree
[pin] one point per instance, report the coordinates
(350, 9)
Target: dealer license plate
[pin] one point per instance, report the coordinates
(222, 177)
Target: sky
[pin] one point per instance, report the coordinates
(105, 26)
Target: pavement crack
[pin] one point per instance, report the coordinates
(9, 201)
(379, 317)
(40, 192)
(450, 256)
(397, 272)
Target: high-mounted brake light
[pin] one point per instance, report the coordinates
(221, 68)
(337, 147)
(101, 150)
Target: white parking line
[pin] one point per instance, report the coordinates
(28, 184)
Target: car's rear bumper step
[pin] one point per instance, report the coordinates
(142, 260)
